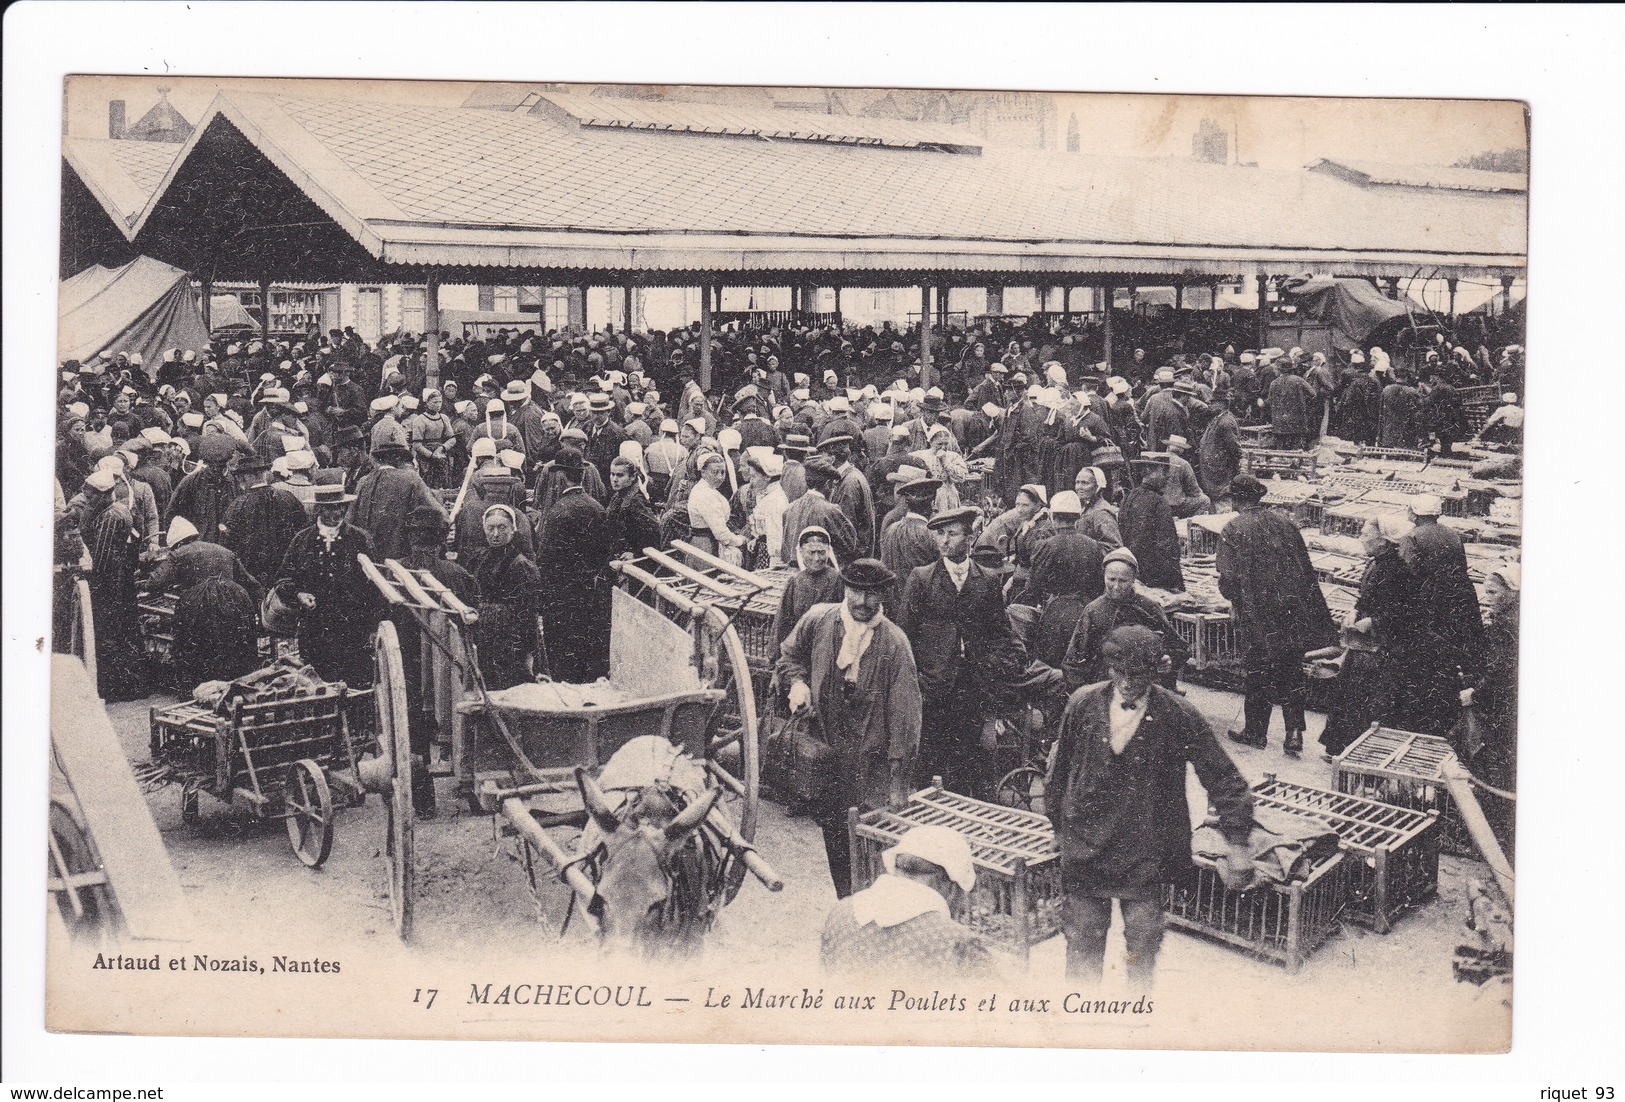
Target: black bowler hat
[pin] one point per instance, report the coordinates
(868, 575)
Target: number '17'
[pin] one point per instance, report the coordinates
(418, 993)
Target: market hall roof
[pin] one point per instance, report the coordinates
(321, 189)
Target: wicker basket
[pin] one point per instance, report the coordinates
(1393, 853)
(1405, 769)
(1017, 900)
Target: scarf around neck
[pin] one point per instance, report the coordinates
(855, 642)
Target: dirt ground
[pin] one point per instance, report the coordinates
(473, 901)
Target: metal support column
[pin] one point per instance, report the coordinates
(207, 305)
(626, 308)
(705, 337)
(431, 329)
(1107, 294)
(1451, 283)
(265, 311)
(925, 336)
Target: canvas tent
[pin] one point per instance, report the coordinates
(1353, 308)
(226, 312)
(145, 306)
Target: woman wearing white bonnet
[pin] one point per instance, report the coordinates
(903, 924)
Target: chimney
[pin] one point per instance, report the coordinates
(115, 119)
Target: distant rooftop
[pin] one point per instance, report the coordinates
(756, 122)
(1424, 176)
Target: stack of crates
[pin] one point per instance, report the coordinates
(1262, 463)
(1017, 900)
(1393, 852)
(1405, 769)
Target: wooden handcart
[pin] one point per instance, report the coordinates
(281, 755)
(678, 671)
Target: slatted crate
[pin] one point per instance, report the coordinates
(1393, 852)
(1405, 769)
(1017, 900)
(1393, 455)
(245, 751)
(1203, 532)
(1349, 519)
(155, 622)
(1335, 568)
(1299, 500)
(1280, 923)
(1263, 463)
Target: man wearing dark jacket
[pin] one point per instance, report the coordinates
(1116, 793)
(572, 553)
(1219, 454)
(953, 614)
(1278, 609)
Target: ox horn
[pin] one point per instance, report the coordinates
(597, 806)
(693, 815)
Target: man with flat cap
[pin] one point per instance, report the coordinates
(908, 543)
(851, 493)
(385, 499)
(813, 507)
(1116, 792)
(261, 523)
(853, 670)
(953, 614)
(1279, 612)
(1148, 528)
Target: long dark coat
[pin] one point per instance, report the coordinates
(506, 632)
(259, 527)
(333, 635)
(383, 502)
(1359, 410)
(1148, 530)
(109, 536)
(572, 552)
(632, 523)
(875, 722)
(203, 497)
(1397, 422)
(906, 545)
(962, 639)
(1083, 664)
(854, 498)
(1279, 610)
(1123, 822)
(1219, 454)
(805, 589)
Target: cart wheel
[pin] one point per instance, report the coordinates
(307, 803)
(191, 812)
(83, 642)
(1022, 788)
(732, 748)
(75, 878)
(394, 743)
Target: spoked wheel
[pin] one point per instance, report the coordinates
(83, 640)
(1022, 788)
(394, 744)
(732, 748)
(75, 878)
(307, 801)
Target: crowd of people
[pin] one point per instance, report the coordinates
(965, 541)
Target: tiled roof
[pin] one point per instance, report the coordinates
(122, 174)
(1432, 176)
(456, 186)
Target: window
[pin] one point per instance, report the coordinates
(505, 300)
(555, 308)
(412, 309)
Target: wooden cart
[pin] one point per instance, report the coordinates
(678, 671)
(280, 755)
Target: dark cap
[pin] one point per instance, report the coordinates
(820, 465)
(1133, 649)
(965, 514)
(833, 441)
(350, 436)
(1244, 487)
(868, 575)
(567, 459)
(426, 518)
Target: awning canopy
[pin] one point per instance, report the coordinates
(290, 188)
(144, 306)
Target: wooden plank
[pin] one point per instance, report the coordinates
(144, 884)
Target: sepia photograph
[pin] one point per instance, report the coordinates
(783, 564)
